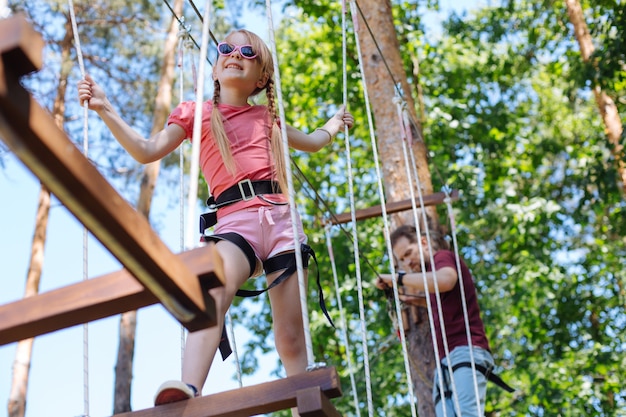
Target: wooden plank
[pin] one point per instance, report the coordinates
(31, 133)
(395, 207)
(249, 401)
(96, 298)
(20, 45)
(313, 403)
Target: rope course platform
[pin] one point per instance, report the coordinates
(152, 273)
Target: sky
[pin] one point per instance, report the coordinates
(56, 386)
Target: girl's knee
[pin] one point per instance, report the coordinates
(290, 342)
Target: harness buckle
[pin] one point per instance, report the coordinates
(248, 184)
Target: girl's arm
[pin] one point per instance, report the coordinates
(144, 151)
(446, 280)
(322, 136)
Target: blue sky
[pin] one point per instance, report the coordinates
(56, 376)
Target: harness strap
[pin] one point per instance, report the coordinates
(225, 349)
(244, 190)
(488, 374)
(483, 370)
(288, 262)
(237, 239)
(241, 243)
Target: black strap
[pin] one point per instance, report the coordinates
(225, 349)
(483, 370)
(288, 261)
(244, 190)
(241, 243)
(488, 374)
(272, 265)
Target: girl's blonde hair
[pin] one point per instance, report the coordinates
(265, 59)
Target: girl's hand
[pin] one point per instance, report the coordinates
(340, 120)
(90, 91)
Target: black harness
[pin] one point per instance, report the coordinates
(243, 191)
(480, 368)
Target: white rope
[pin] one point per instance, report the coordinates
(192, 196)
(81, 65)
(183, 35)
(188, 44)
(355, 248)
(457, 258)
(231, 336)
(381, 193)
(342, 321)
(292, 203)
(431, 318)
(394, 281)
(415, 175)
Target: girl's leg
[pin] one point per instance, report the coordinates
(288, 325)
(201, 345)
(287, 320)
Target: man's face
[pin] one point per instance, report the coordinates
(408, 254)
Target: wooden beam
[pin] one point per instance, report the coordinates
(313, 403)
(31, 133)
(96, 298)
(20, 46)
(395, 207)
(253, 400)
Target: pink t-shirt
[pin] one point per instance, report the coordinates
(248, 128)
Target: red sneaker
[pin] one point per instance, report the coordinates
(173, 391)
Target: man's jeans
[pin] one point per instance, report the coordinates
(464, 388)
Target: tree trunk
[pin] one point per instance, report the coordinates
(23, 353)
(128, 320)
(381, 92)
(606, 105)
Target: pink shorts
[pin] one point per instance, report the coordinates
(267, 229)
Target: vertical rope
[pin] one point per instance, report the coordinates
(79, 55)
(355, 244)
(434, 274)
(343, 322)
(457, 258)
(183, 35)
(194, 171)
(431, 318)
(292, 203)
(231, 336)
(394, 281)
(384, 215)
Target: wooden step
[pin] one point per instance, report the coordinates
(310, 392)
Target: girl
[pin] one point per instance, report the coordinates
(242, 160)
(408, 251)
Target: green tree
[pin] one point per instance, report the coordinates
(507, 108)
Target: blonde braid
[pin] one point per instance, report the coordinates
(219, 134)
(276, 139)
